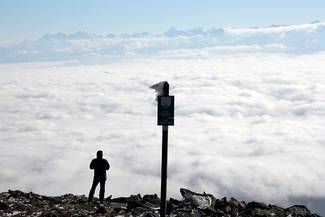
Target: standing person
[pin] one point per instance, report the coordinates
(99, 165)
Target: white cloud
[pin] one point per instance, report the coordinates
(249, 126)
(277, 29)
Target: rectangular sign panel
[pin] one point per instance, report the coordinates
(165, 110)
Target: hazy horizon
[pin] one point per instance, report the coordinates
(21, 20)
(162, 31)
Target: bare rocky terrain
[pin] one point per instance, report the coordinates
(18, 203)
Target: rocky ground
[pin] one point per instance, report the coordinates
(18, 203)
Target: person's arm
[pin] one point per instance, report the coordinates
(92, 165)
(107, 166)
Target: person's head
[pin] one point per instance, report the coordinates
(99, 154)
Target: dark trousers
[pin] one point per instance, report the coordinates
(101, 191)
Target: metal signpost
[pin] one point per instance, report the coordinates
(165, 118)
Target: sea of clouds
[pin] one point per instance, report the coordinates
(249, 123)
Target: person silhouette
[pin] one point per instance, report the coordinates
(99, 165)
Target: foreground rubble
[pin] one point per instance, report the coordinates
(18, 203)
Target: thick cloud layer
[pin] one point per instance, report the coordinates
(293, 39)
(249, 126)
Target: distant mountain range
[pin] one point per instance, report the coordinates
(293, 39)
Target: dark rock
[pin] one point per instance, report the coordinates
(118, 211)
(17, 193)
(220, 203)
(132, 204)
(101, 210)
(136, 197)
(149, 214)
(261, 213)
(139, 210)
(3, 206)
(121, 199)
(231, 207)
(240, 205)
(254, 205)
(127, 199)
(54, 213)
(108, 199)
(298, 211)
(152, 198)
(174, 205)
(277, 211)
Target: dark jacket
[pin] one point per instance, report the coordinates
(99, 165)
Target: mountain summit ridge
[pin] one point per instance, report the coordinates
(17, 203)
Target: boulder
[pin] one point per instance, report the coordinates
(200, 201)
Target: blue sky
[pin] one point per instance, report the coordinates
(30, 19)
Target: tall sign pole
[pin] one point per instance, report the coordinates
(164, 160)
(165, 118)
